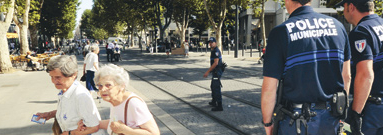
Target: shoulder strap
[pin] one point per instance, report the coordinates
(126, 108)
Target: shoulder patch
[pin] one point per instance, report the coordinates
(360, 45)
(216, 53)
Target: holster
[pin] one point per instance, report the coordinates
(339, 104)
(278, 115)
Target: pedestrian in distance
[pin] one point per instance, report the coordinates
(48, 51)
(260, 61)
(312, 70)
(91, 66)
(110, 52)
(107, 51)
(129, 114)
(173, 44)
(216, 70)
(167, 48)
(117, 53)
(98, 54)
(366, 41)
(186, 46)
(33, 62)
(74, 101)
(86, 48)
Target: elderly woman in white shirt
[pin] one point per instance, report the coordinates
(91, 66)
(113, 81)
(74, 101)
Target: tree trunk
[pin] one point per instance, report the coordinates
(131, 39)
(217, 28)
(263, 24)
(219, 39)
(182, 30)
(5, 62)
(24, 47)
(34, 34)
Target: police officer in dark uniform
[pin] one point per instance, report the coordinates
(366, 41)
(310, 53)
(215, 69)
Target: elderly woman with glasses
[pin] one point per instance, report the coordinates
(74, 101)
(129, 114)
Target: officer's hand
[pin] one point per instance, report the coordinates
(206, 74)
(269, 130)
(355, 122)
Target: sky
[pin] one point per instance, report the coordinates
(85, 4)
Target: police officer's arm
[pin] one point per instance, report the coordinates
(268, 99)
(216, 60)
(363, 58)
(363, 83)
(346, 73)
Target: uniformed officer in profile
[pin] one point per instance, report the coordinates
(310, 53)
(215, 69)
(366, 41)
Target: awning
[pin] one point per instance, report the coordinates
(12, 35)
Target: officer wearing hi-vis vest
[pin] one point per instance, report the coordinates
(366, 41)
(309, 55)
(216, 70)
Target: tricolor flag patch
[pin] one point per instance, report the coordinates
(216, 53)
(360, 45)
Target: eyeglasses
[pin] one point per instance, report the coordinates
(108, 86)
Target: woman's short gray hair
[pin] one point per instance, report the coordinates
(94, 47)
(67, 64)
(119, 75)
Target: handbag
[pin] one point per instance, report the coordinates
(83, 78)
(126, 108)
(56, 128)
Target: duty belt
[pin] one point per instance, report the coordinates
(318, 105)
(375, 99)
(305, 114)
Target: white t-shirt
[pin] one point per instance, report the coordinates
(87, 48)
(110, 46)
(137, 113)
(90, 59)
(74, 105)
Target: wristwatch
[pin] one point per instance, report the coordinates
(267, 124)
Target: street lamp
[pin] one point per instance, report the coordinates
(236, 30)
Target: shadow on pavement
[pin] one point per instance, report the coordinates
(44, 102)
(28, 130)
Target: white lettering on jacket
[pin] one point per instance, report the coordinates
(379, 31)
(316, 27)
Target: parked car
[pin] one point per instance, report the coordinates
(118, 40)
